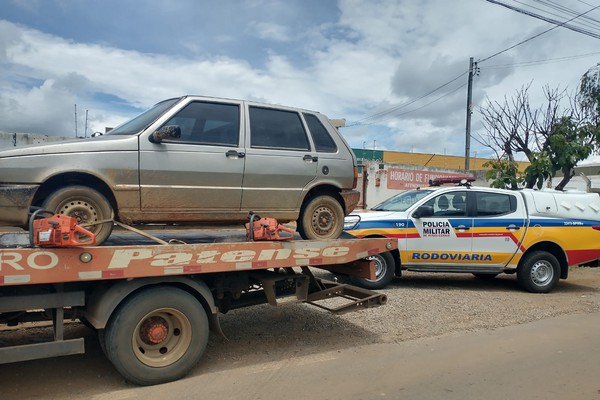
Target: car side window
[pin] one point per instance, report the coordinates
(208, 123)
(277, 129)
(323, 141)
(450, 204)
(491, 204)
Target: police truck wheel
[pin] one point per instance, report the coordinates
(385, 270)
(321, 218)
(157, 335)
(86, 205)
(538, 272)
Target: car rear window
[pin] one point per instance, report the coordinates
(323, 142)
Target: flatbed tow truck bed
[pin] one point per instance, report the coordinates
(153, 304)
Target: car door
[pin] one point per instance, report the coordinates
(443, 239)
(498, 227)
(280, 162)
(199, 173)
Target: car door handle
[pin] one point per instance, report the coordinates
(463, 228)
(308, 157)
(516, 228)
(235, 154)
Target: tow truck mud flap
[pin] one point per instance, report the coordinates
(339, 298)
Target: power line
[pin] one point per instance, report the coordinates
(392, 110)
(540, 62)
(534, 36)
(357, 123)
(564, 12)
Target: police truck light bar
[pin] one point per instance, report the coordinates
(463, 180)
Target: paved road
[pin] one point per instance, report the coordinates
(551, 359)
(556, 358)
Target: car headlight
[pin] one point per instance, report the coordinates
(351, 221)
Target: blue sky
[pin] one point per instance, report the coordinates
(348, 59)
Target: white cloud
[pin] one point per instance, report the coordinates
(270, 31)
(360, 59)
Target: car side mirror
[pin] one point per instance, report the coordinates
(166, 132)
(423, 211)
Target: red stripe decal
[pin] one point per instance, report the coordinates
(582, 256)
(501, 234)
(191, 270)
(117, 273)
(259, 264)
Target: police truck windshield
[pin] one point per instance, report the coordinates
(402, 201)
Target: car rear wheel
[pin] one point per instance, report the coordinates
(86, 205)
(321, 218)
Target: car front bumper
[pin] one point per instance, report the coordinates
(14, 204)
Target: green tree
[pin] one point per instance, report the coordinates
(588, 96)
(552, 137)
(570, 143)
(502, 174)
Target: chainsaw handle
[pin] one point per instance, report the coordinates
(35, 214)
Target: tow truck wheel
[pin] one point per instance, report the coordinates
(321, 218)
(385, 270)
(158, 335)
(87, 205)
(538, 272)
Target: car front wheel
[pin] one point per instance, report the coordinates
(87, 206)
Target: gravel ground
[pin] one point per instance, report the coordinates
(419, 305)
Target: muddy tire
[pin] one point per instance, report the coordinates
(87, 205)
(538, 272)
(321, 218)
(385, 271)
(157, 335)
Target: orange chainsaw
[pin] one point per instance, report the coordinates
(266, 229)
(58, 230)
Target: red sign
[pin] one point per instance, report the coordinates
(405, 179)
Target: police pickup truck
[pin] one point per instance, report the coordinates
(483, 231)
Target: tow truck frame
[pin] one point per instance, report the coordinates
(100, 284)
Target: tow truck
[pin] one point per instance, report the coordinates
(153, 304)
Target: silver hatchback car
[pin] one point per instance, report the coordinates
(191, 160)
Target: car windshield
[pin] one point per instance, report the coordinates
(140, 122)
(402, 201)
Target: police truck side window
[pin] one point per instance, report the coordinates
(450, 204)
(490, 204)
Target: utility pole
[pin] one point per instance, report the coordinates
(469, 112)
(75, 121)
